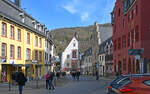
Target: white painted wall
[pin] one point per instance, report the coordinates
(68, 51)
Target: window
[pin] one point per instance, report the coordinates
(68, 64)
(119, 43)
(115, 45)
(129, 39)
(128, 4)
(132, 14)
(12, 51)
(4, 29)
(74, 54)
(100, 58)
(119, 12)
(19, 53)
(68, 56)
(74, 45)
(123, 23)
(12, 32)
(50, 57)
(124, 41)
(19, 34)
(45, 56)
(136, 9)
(40, 56)
(36, 41)
(28, 54)
(40, 43)
(137, 34)
(4, 50)
(28, 38)
(36, 55)
(147, 82)
(124, 64)
(47, 44)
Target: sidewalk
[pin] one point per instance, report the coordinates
(30, 87)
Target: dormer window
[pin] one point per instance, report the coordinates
(22, 16)
(38, 26)
(34, 23)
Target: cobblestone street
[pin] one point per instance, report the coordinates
(86, 85)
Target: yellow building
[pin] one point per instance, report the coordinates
(22, 43)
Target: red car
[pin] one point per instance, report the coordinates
(137, 85)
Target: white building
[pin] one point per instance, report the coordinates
(70, 56)
(49, 52)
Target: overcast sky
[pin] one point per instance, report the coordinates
(69, 13)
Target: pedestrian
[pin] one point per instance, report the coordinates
(51, 85)
(47, 80)
(57, 75)
(78, 75)
(20, 79)
(73, 75)
(97, 75)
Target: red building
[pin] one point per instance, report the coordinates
(131, 30)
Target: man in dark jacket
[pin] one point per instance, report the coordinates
(51, 85)
(20, 79)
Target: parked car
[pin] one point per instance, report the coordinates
(120, 84)
(138, 85)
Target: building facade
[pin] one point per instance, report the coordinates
(86, 64)
(70, 56)
(49, 52)
(101, 33)
(106, 58)
(130, 19)
(22, 42)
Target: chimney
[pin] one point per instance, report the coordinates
(76, 35)
(18, 3)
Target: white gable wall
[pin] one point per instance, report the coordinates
(68, 51)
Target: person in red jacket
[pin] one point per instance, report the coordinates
(47, 80)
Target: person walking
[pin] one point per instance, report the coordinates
(51, 85)
(20, 79)
(97, 75)
(47, 80)
(78, 75)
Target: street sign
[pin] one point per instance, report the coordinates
(136, 51)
